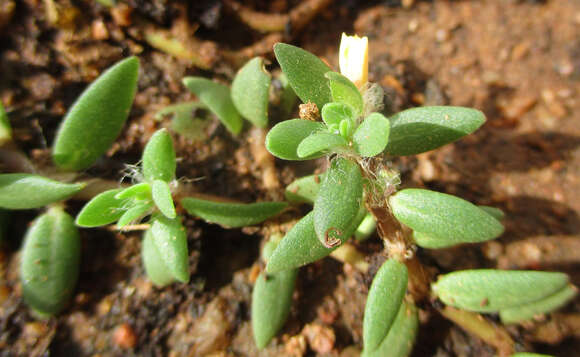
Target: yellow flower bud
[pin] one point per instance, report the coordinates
(353, 58)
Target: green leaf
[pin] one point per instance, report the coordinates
(26, 191)
(95, 120)
(305, 73)
(49, 266)
(366, 227)
(159, 157)
(304, 189)
(383, 302)
(334, 113)
(529, 311)
(488, 290)
(283, 139)
(171, 242)
(338, 202)
(140, 191)
(372, 135)
(301, 246)
(183, 121)
(320, 143)
(440, 220)
(418, 130)
(103, 209)
(162, 198)
(134, 213)
(344, 91)
(251, 91)
(494, 212)
(399, 342)
(5, 128)
(155, 267)
(232, 215)
(217, 98)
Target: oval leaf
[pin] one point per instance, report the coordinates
(217, 98)
(399, 342)
(140, 191)
(489, 290)
(232, 215)
(251, 91)
(335, 113)
(283, 139)
(494, 212)
(159, 157)
(171, 243)
(103, 209)
(305, 72)
(26, 191)
(271, 301)
(320, 143)
(344, 91)
(372, 135)
(95, 120)
(49, 266)
(338, 202)
(155, 267)
(304, 189)
(383, 302)
(162, 197)
(300, 246)
(134, 213)
(529, 311)
(442, 220)
(418, 130)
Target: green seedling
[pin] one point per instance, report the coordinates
(360, 186)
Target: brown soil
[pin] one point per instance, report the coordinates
(518, 61)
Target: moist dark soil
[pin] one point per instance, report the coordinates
(517, 61)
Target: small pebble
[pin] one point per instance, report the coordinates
(296, 346)
(99, 30)
(321, 339)
(124, 336)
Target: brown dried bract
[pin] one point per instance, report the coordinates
(309, 111)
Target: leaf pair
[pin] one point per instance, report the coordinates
(49, 265)
(440, 220)
(248, 97)
(516, 295)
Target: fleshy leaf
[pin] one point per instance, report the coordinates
(399, 342)
(440, 220)
(533, 309)
(305, 72)
(366, 227)
(139, 191)
(283, 139)
(159, 157)
(49, 266)
(5, 128)
(134, 213)
(344, 91)
(418, 130)
(161, 193)
(232, 215)
(334, 113)
(171, 242)
(26, 191)
(383, 302)
(95, 120)
(155, 267)
(271, 301)
(494, 212)
(103, 209)
(372, 135)
(301, 246)
(304, 189)
(489, 290)
(338, 201)
(251, 90)
(217, 98)
(320, 143)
